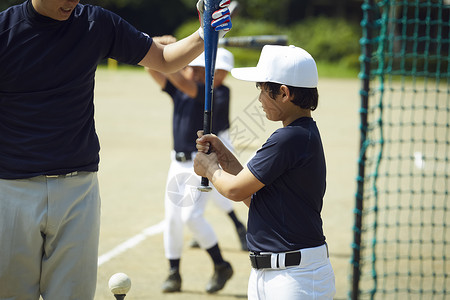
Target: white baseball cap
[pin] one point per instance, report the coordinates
(224, 60)
(287, 65)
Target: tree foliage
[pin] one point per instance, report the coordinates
(164, 16)
(154, 17)
(330, 39)
(282, 12)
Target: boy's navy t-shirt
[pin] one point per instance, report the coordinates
(47, 70)
(285, 214)
(221, 109)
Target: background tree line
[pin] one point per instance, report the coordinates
(328, 28)
(158, 17)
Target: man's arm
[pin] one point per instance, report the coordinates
(179, 79)
(171, 58)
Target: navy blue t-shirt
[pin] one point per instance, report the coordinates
(221, 109)
(47, 70)
(285, 214)
(188, 114)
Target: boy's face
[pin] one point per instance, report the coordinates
(199, 74)
(219, 77)
(270, 105)
(59, 10)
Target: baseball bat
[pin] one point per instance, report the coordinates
(257, 41)
(211, 41)
(233, 7)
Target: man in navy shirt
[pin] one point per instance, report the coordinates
(283, 184)
(49, 150)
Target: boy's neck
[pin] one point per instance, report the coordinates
(300, 113)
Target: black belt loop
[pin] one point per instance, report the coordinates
(183, 156)
(253, 261)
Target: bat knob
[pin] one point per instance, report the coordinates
(204, 188)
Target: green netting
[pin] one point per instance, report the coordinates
(401, 247)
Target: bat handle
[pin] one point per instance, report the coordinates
(204, 186)
(211, 38)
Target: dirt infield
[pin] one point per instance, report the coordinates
(133, 119)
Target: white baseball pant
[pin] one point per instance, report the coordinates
(185, 204)
(313, 279)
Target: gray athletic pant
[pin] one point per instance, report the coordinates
(49, 232)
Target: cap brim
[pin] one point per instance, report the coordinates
(248, 74)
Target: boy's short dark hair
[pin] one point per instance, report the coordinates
(306, 98)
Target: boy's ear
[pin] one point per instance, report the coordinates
(285, 93)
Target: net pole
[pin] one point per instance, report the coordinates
(366, 43)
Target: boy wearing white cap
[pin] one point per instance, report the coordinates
(283, 184)
(186, 88)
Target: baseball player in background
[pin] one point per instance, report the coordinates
(221, 125)
(49, 150)
(283, 184)
(184, 204)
